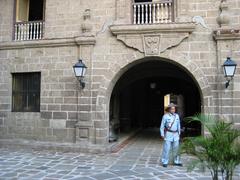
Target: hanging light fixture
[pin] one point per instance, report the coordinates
(153, 85)
(229, 69)
(80, 70)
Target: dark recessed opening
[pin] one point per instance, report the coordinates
(139, 96)
(35, 10)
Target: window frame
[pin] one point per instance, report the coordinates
(15, 16)
(15, 11)
(26, 91)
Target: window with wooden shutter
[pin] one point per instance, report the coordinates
(26, 92)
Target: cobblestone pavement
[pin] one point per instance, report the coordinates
(140, 159)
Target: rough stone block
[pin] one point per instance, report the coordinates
(83, 132)
(60, 134)
(47, 100)
(43, 123)
(56, 86)
(3, 132)
(3, 114)
(37, 52)
(101, 124)
(16, 130)
(100, 140)
(53, 107)
(71, 86)
(59, 115)
(84, 116)
(68, 93)
(46, 115)
(101, 132)
(4, 93)
(4, 107)
(40, 132)
(57, 124)
(1, 122)
(84, 107)
(85, 100)
(72, 115)
(49, 132)
(70, 100)
(70, 124)
(58, 100)
(68, 107)
(100, 115)
(56, 73)
(29, 131)
(43, 107)
(10, 122)
(28, 122)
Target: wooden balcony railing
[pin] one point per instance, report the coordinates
(31, 30)
(153, 12)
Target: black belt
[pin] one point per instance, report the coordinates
(169, 130)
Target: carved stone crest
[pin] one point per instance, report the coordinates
(152, 40)
(151, 45)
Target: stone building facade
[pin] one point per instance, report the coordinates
(125, 44)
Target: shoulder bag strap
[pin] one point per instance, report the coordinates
(172, 122)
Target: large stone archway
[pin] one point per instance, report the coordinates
(116, 71)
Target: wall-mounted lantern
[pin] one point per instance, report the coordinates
(229, 68)
(153, 85)
(80, 70)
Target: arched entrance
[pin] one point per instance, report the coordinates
(140, 95)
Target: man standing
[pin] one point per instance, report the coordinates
(170, 130)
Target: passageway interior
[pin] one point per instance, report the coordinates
(141, 94)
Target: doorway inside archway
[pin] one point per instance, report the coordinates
(141, 94)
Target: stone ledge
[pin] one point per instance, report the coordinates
(152, 28)
(80, 40)
(52, 146)
(226, 34)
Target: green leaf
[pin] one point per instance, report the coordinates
(219, 150)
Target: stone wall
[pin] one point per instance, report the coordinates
(6, 20)
(64, 106)
(59, 94)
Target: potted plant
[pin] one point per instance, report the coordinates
(218, 150)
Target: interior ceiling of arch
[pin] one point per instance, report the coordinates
(166, 75)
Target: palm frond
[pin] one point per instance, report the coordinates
(219, 150)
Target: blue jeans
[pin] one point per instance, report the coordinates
(167, 145)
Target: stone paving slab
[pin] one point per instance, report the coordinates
(139, 160)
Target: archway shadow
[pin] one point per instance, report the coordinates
(139, 97)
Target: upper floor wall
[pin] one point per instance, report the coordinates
(28, 20)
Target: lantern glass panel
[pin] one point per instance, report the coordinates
(229, 71)
(78, 71)
(84, 71)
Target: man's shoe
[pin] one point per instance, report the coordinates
(164, 165)
(178, 164)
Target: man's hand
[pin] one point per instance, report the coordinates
(162, 137)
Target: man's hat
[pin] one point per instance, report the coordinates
(170, 106)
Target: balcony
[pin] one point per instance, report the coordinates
(152, 26)
(153, 12)
(31, 30)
